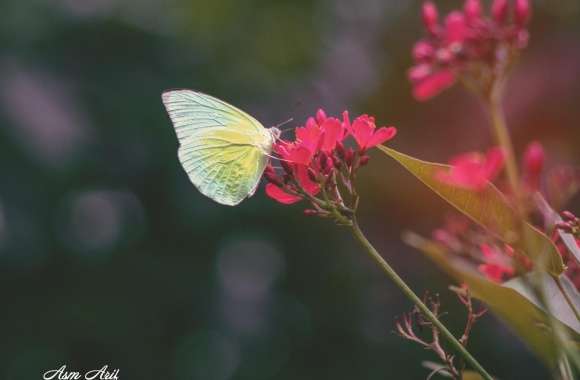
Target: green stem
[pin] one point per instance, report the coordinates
(461, 350)
(502, 136)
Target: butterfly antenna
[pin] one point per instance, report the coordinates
(284, 123)
(277, 158)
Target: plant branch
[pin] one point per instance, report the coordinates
(408, 292)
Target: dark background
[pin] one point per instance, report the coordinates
(108, 255)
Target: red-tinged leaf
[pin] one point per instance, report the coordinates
(487, 207)
(508, 301)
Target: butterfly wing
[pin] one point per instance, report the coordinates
(222, 149)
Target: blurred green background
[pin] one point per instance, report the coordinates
(108, 255)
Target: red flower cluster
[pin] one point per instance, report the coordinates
(318, 159)
(497, 261)
(468, 45)
(473, 170)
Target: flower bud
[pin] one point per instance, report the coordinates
(423, 51)
(419, 72)
(455, 27)
(271, 176)
(568, 215)
(320, 116)
(310, 212)
(286, 166)
(348, 156)
(566, 227)
(430, 16)
(472, 10)
(499, 10)
(444, 56)
(340, 149)
(523, 12)
(533, 164)
(364, 160)
(329, 163)
(522, 39)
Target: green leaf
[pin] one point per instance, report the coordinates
(557, 304)
(489, 208)
(509, 301)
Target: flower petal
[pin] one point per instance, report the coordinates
(280, 195)
(299, 155)
(433, 84)
(362, 130)
(332, 133)
(382, 135)
(304, 180)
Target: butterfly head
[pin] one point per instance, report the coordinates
(275, 133)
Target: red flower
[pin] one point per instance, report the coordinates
(497, 266)
(473, 170)
(317, 159)
(364, 131)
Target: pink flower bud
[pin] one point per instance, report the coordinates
(444, 56)
(364, 160)
(329, 163)
(472, 10)
(522, 39)
(340, 149)
(320, 116)
(568, 215)
(419, 72)
(534, 157)
(455, 28)
(423, 51)
(310, 212)
(499, 10)
(533, 164)
(348, 156)
(271, 176)
(523, 12)
(430, 16)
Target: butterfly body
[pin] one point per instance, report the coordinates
(223, 149)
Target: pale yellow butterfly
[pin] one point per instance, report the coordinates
(223, 149)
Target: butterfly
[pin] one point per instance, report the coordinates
(223, 149)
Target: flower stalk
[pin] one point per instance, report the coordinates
(502, 135)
